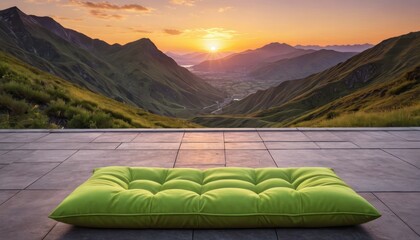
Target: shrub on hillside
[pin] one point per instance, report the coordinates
(90, 120)
(27, 92)
(12, 106)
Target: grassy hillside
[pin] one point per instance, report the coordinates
(381, 82)
(407, 116)
(137, 73)
(30, 98)
(383, 99)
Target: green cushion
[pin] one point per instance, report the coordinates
(131, 197)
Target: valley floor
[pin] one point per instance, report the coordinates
(237, 85)
(38, 168)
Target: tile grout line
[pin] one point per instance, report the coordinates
(117, 146)
(23, 143)
(395, 213)
(136, 136)
(6, 151)
(309, 138)
(18, 191)
(338, 136)
(399, 157)
(358, 145)
(403, 138)
(317, 145)
(71, 155)
(55, 224)
(19, 144)
(272, 158)
(179, 148)
(91, 141)
(35, 140)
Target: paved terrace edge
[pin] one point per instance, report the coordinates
(208, 129)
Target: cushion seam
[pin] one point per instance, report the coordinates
(221, 215)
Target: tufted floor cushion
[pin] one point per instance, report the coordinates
(127, 197)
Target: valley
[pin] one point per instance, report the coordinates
(237, 85)
(248, 72)
(381, 83)
(96, 84)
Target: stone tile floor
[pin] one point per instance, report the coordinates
(38, 168)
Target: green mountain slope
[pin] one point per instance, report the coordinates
(31, 98)
(380, 80)
(300, 67)
(136, 73)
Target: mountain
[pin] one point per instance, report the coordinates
(338, 48)
(196, 57)
(247, 60)
(380, 87)
(31, 98)
(301, 66)
(136, 73)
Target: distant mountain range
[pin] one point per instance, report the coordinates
(196, 57)
(251, 59)
(301, 66)
(338, 48)
(136, 73)
(261, 58)
(274, 63)
(381, 80)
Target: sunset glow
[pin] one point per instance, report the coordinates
(213, 49)
(220, 25)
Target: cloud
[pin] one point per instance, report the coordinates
(224, 9)
(67, 18)
(184, 2)
(110, 6)
(138, 30)
(104, 15)
(211, 33)
(107, 10)
(172, 31)
(218, 33)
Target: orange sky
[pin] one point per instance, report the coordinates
(231, 25)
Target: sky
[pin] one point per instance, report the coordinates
(230, 25)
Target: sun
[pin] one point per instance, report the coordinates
(213, 48)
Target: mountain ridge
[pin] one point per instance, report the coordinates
(92, 64)
(338, 48)
(244, 61)
(383, 78)
(31, 98)
(193, 58)
(301, 66)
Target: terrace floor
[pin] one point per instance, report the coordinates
(38, 168)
